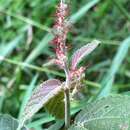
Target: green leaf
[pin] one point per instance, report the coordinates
(56, 106)
(110, 113)
(41, 95)
(41, 121)
(8, 123)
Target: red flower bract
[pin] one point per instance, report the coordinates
(77, 72)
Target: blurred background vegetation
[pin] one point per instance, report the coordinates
(25, 37)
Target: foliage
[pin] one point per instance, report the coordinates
(8, 123)
(111, 113)
(25, 54)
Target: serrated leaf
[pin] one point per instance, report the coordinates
(8, 123)
(41, 96)
(111, 113)
(82, 52)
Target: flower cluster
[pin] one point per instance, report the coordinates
(61, 28)
(75, 73)
(61, 33)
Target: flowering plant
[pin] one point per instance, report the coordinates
(62, 27)
(97, 113)
(49, 89)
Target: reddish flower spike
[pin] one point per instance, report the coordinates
(60, 38)
(77, 72)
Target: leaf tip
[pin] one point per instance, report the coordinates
(95, 41)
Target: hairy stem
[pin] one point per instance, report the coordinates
(67, 98)
(67, 108)
(20, 125)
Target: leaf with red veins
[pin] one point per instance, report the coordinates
(82, 52)
(41, 95)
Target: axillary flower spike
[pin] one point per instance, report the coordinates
(74, 74)
(61, 34)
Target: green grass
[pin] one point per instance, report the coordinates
(23, 68)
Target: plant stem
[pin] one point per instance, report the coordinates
(67, 108)
(67, 97)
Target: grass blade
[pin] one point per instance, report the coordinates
(10, 46)
(26, 20)
(57, 125)
(77, 16)
(39, 49)
(28, 94)
(108, 79)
